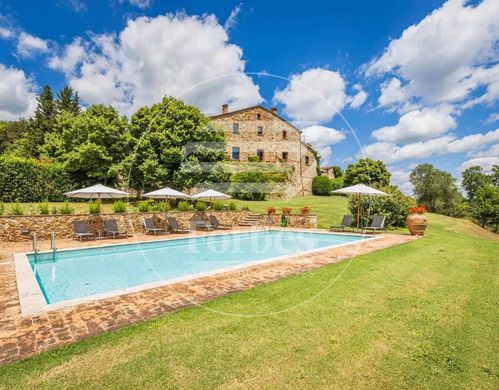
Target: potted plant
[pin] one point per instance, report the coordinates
(305, 210)
(286, 210)
(270, 210)
(416, 221)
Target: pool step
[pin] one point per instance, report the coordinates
(251, 220)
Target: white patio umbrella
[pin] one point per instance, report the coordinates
(360, 189)
(98, 192)
(167, 193)
(211, 194)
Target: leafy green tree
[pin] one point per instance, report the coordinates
(11, 133)
(494, 177)
(92, 145)
(394, 207)
(473, 179)
(68, 100)
(338, 172)
(321, 186)
(175, 144)
(369, 172)
(486, 206)
(435, 189)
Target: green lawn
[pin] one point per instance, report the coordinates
(420, 315)
(330, 209)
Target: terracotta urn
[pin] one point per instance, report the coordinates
(417, 224)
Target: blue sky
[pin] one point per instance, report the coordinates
(417, 81)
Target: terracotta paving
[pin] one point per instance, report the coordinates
(21, 337)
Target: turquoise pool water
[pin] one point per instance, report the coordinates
(74, 274)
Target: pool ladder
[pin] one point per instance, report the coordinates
(266, 225)
(53, 246)
(35, 245)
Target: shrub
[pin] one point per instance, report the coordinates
(93, 207)
(200, 206)
(321, 186)
(53, 210)
(120, 206)
(2, 208)
(144, 206)
(394, 207)
(16, 209)
(253, 159)
(43, 208)
(232, 206)
(183, 206)
(249, 185)
(161, 206)
(337, 183)
(218, 206)
(245, 208)
(28, 180)
(462, 210)
(66, 208)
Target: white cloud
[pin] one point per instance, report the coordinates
(28, 45)
(444, 57)
(315, 95)
(485, 162)
(179, 55)
(5, 33)
(142, 4)
(359, 98)
(75, 5)
(472, 142)
(418, 125)
(17, 96)
(447, 144)
(232, 19)
(494, 117)
(321, 138)
(400, 178)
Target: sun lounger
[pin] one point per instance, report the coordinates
(217, 225)
(81, 231)
(346, 223)
(175, 227)
(200, 224)
(111, 229)
(150, 227)
(378, 224)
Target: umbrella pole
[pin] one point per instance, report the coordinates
(358, 212)
(99, 221)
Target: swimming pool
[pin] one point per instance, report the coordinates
(75, 274)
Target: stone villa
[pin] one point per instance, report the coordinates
(256, 133)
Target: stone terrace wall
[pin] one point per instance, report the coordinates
(296, 220)
(21, 228)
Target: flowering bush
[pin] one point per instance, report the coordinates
(270, 210)
(417, 210)
(305, 210)
(286, 210)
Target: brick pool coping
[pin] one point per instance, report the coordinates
(24, 336)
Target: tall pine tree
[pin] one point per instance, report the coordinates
(68, 100)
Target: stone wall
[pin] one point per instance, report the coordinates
(296, 220)
(21, 228)
(276, 147)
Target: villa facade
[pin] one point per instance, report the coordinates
(258, 134)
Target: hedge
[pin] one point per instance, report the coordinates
(29, 180)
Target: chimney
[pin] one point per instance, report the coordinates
(225, 108)
(273, 110)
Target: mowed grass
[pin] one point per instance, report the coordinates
(419, 315)
(330, 209)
